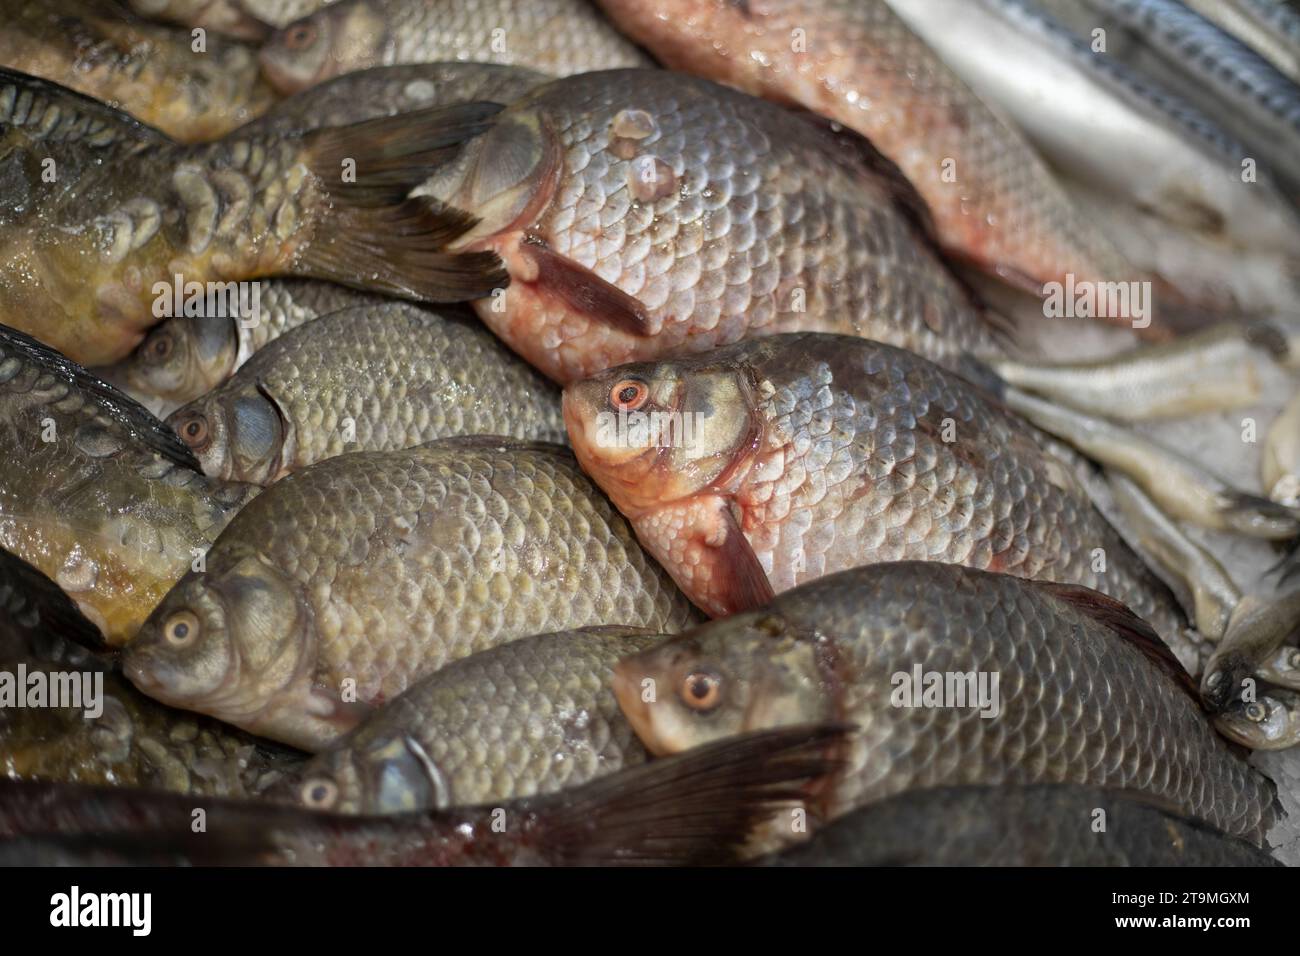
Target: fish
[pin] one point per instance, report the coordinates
(554, 36)
(995, 203)
(106, 732)
(782, 459)
(1281, 668)
(341, 585)
(194, 88)
(134, 228)
(184, 357)
(98, 494)
(370, 378)
(530, 717)
(1269, 27)
(909, 652)
(644, 212)
(1044, 825)
(1280, 461)
(1102, 122)
(250, 20)
(1270, 722)
(1255, 632)
(388, 90)
(697, 808)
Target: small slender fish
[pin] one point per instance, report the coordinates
(952, 676)
(530, 717)
(1269, 27)
(1271, 722)
(772, 462)
(185, 357)
(693, 809)
(192, 88)
(95, 257)
(342, 585)
(559, 37)
(97, 493)
(389, 90)
(1255, 633)
(1280, 462)
(371, 378)
(1045, 825)
(1281, 668)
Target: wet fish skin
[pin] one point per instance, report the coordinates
(1271, 722)
(88, 253)
(1045, 825)
(387, 90)
(371, 378)
(1255, 632)
(185, 357)
(1280, 462)
(1086, 694)
(1282, 668)
(641, 212)
(152, 72)
(246, 19)
(530, 717)
(380, 568)
(1269, 27)
(995, 203)
(698, 808)
(555, 36)
(815, 453)
(114, 507)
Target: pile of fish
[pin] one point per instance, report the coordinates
(649, 432)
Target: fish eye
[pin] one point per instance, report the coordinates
(181, 628)
(160, 347)
(299, 36)
(1255, 712)
(193, 429)
(629, 394)
(1293, 658)
(702, 691)
(319, 793)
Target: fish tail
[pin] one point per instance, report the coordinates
(698, 807)
(375, 235)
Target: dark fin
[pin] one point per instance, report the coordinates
(1125, 625)
(34, 608)
(698, 807)
(584, 291)
(1289, 566)
(378, 238)
(1246, 504)
(145, 427)
(1270, 338)
(1222, 678)
(747, 584)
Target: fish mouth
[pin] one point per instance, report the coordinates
(627, 691)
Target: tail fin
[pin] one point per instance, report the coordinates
(376, 237)
(694, 808)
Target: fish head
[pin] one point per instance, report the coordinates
(237, 434)
(1271, 722)
(371, 774)
(747, 672)
(657, 432)
(178, 361)
(225, 641)
(1282, 667)
(337, 39)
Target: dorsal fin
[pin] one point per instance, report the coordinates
(1127, 626)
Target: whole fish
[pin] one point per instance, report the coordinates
(530, 717)
(97, 493)
(952, 676)
(779, 460)
(1046, 825)
(1269, 27)
(388, 90)
(555, 36)
(247, 19)
(128, 224)
(370, 378)
(343, 584)
(185, 357)
(1270, 722)
(104, 731)
(696, 808)
(192, 87)
(1255, 633)
(995, 203)
(643, 212)
(1105, 124)
(1280, 462)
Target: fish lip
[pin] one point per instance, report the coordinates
(627, 691)
(134, 669)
